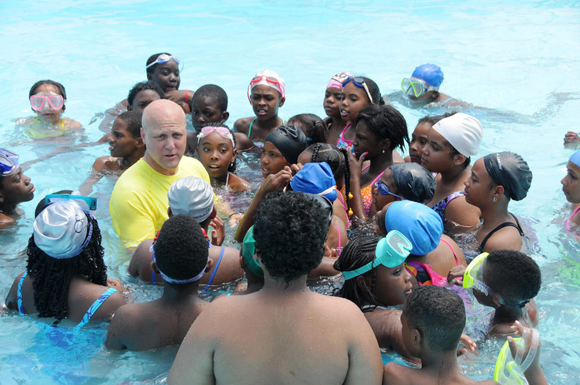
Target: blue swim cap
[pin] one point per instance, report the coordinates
(431, 73)
(420, 224)
(315, 178)
(575, 158)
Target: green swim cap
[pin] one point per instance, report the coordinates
(248, 251)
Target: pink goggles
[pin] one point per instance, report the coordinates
(224, 132)
(270, 81)
(37, 102)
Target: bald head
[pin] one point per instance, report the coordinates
(165, 135)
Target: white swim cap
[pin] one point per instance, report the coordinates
(266, 77)
(462, 131)
(62, 230)
(191, 196)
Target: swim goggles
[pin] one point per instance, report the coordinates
(164, 58)
(511, 371)
(360, 83)
(384, 189)
(415, 87)
(86, 203)
(224, 132)
(38, 101)
(275, 83)
(8, 162)
(391, 251)
(473, 277)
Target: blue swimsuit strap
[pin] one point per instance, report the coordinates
(94, 307)
(250, 129)
(445, 101)
(19, 293)
(214, 270)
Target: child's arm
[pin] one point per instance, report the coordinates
(356, 203)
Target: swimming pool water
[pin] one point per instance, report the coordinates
(517, 58)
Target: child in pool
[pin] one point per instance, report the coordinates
(313, 127)
(284, 313)
(180, 256)
(452, 142)
(266, 93)
(163, 69)
(193, 197)
(506, 280)
(15, 188)
(571, 189)
(66, 276)
(419, 136)
(142, 94)
(433, 254)
(216, 150)
(47, 99)
(126, 147)
(379, 131)
(332, 101)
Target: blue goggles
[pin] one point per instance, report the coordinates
(384, 189)
(86, 203)
(8, 162)
(360, 83)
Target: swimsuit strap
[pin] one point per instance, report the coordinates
(441, 206)
(339, 248)
(445, 101)
(250, 129)
(94, 307)
(505, 224)
(214, 270)
(19, 293)
(153, 280)
(452, 250)
(341, 138)
(567, 224)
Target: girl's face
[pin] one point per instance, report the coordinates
(365, 141)
(436, 153)
(382, 200)
(16, 189)
(418, 141)
(216, 154)
(392, 284)
(121, 143)
(265, 101)
(143, 99)
(477, 191)
(332, 100)
(355, 99)
(571, 183)
(272, 160)
(47, 113)
(166, 75)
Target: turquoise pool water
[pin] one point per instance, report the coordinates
(518, 58)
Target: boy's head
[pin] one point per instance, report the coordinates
(290, 232)
(142, 94)
(14, 186)
(47, 99)
(209, 105)
(515, 276)
(125, 138)
(193, 197)
(432, 317)
(180, 251)
(163, 69)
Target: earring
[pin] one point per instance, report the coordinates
(383, 151)
(494, 199)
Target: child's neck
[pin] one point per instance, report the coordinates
(8, 209)
(381, 162)
(442, 366)
(270, 124)
(451, 176)
(180, 293)
(338, 124)
(508, 314)
(128, 161)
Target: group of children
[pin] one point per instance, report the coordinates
(348, 168)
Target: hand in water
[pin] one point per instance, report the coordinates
(219, 232)
(235, 220)
(469, 344)
(116, 284)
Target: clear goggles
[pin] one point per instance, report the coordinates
(360, 83)
(86, 203)
(395, 248)
(164, 58)
(8, 162)
(473, 277)
(511, 371)
(415, 87)
(37, 102)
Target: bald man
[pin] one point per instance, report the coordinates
(139, 200)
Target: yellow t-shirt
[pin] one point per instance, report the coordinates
(139, 201)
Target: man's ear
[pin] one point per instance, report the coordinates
(143, 134)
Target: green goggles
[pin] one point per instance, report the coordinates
(391, 251)
(473, 277)
(415, 87)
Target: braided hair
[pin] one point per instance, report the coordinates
(51, 277)
(315, 129)
(357, 253)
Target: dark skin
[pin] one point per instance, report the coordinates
(332, 99)
(15, 189)
(167, 76)
(265, 102)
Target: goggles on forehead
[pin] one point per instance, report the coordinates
(270, 80)
(224, 132)
(164, 58)
(384, 189)
(360, 83)
(395, 248)
(37, 102)
(415, 87)
(7, 166)
(85, 203)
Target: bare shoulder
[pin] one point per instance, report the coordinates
(455, 247)
(140, 256)
(69, 123)
(507, 238)
(104, 163)
(238, 184)
(243, 125)
(12, 293)
(465, 215)
(243, 142)
(5, 220)
(396, 374)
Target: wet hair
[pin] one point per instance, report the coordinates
(232, 166)
(385, 122)
(39, 83)
(133, 121)
(357, 253)
(181, 250)
(143, 86)
(41, 205)
(215, 92)
(514, 275)
(434, 119)
(316, 129)
(290, 232)
(374, 91)
(337, 159)
(151, 59)
(52, 277)
(438, 313)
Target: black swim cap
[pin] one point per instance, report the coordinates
(510, 171)
(289, 140)
(414, 182)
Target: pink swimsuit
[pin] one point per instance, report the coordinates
(567, 223)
